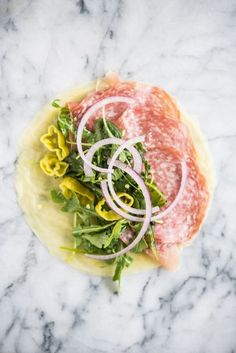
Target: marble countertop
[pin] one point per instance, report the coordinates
(187, 47)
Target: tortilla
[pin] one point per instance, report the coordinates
(44, 217)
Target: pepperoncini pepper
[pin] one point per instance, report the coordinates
(70, 185)
(55, 142)
(51, 166)
(110, 215)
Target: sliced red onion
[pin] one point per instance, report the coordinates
(127, 208)
(137, 159)
(112, 205)
(86, 117)
(111, 162)
(146, 219)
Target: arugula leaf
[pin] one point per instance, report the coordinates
(76, 250)
(105, 128)
(65, 122)
(102, 241)
(91, 185)
(91, 229)
(71, 205)
(98, 135)
(57, 196)
(77, 241)
(116, 176)
(147, 242)
(88, 136)
(157, 197)
(119, 228)
(116, 132)
(99, 240)
(110, 129)
(87, 216)
(139, 199)
(121, 263)
(149, 236)
(55, 103)
(101, 236)
(76, 165)
(140, 247)
(147, 168)
(88, 248)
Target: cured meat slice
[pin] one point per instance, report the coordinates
(155, 115)
(162, 104)
(166, 170)
(148, 100)
(187, 216)
(185, 219)
(122, 89)
(159, 131)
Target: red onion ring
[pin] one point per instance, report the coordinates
(130, 209)
(146, 219)
(109, 178)
(86, 117)
(160, 215)
(113, 205)
(137, 165)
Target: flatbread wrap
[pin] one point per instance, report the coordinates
(69, 205)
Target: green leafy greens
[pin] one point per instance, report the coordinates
(91, 233)
(64, 121)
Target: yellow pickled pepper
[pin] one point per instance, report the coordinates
(55, 142)
(110, 215)
(51, 166)
(70, 185)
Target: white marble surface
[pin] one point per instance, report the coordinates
(187, 47)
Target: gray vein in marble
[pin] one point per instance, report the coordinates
(30, 260)
(108, 34)
(83, 9)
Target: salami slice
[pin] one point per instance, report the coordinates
(186, 217)
(148, 101)
(122, 89)
(159, 130)
(155, 115)
(166, 170)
